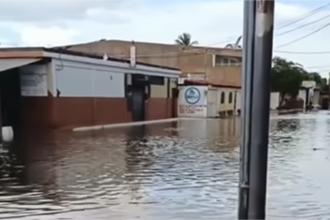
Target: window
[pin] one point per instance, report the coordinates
(217, 60)
(222, 98)
(230, 98)
(156, 80)
(226, 61)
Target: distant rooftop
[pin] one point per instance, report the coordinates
(233, 52)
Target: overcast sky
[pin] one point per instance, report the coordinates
(210, 22)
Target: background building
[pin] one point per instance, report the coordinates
(217, 65)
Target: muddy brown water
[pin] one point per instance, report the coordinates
(174, 171)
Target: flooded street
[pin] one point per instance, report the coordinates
(175, 171)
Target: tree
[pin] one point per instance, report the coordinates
(185, 40)
(321, 82)
(325, 85)
(286, 77)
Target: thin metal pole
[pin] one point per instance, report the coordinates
(256, 111)
(248, 48)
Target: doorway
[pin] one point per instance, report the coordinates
(10, 98)
(175, 95)
(138, 107)
(235, 102)
(325, 103)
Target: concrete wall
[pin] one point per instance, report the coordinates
(36, 80)
(74, 79)
(213, 102)
(158, 91)
(193, 60)
(308, 84)
(210, 98)
(316, 98)
(227, 103)
(192, 101)
(274, 100)
(238, 101)
(81, 94)
(161, 100)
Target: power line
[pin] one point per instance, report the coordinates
(302, 26)
(303, 37)
(303, 52)
(304, 16)
(297, 19)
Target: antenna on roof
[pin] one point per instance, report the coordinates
(133, 55)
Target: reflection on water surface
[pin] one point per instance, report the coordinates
(182, 170)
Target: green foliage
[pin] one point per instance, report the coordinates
(322, 82)
(185, 40)
(287, 77)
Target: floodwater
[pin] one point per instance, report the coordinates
(176, 171)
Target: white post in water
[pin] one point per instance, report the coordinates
(257, 59)
(7, 134)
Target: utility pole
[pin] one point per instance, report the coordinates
(257, 59)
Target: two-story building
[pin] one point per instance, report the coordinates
(217, 65)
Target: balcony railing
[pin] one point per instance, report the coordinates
(227, 64)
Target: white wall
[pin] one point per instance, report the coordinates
(212, 102)
(308, 84)
(238, 100)
(227, 106)
(76, 79)
(274, 100)
(302, 95)
(196, 104)
(316, 97)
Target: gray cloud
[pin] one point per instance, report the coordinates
(37, 11)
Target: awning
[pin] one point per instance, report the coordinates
(7, 64)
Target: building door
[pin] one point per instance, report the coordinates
(10, 96)
(325, 103)
(175, 94)
(235, 103)
(138, 108)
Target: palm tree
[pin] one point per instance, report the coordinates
(185, 40)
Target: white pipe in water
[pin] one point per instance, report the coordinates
(7, 134)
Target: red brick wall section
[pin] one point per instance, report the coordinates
(175, 103)
(36, 112)
(50, 113)
(159, 108)
(77, 112)
(109, 111)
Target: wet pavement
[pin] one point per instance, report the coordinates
(175, 171)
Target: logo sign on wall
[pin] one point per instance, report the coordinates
(192, 95)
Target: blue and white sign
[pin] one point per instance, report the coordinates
(192, 95)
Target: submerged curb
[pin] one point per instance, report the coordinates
(101, 127)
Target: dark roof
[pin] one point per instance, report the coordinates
(64, 50)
